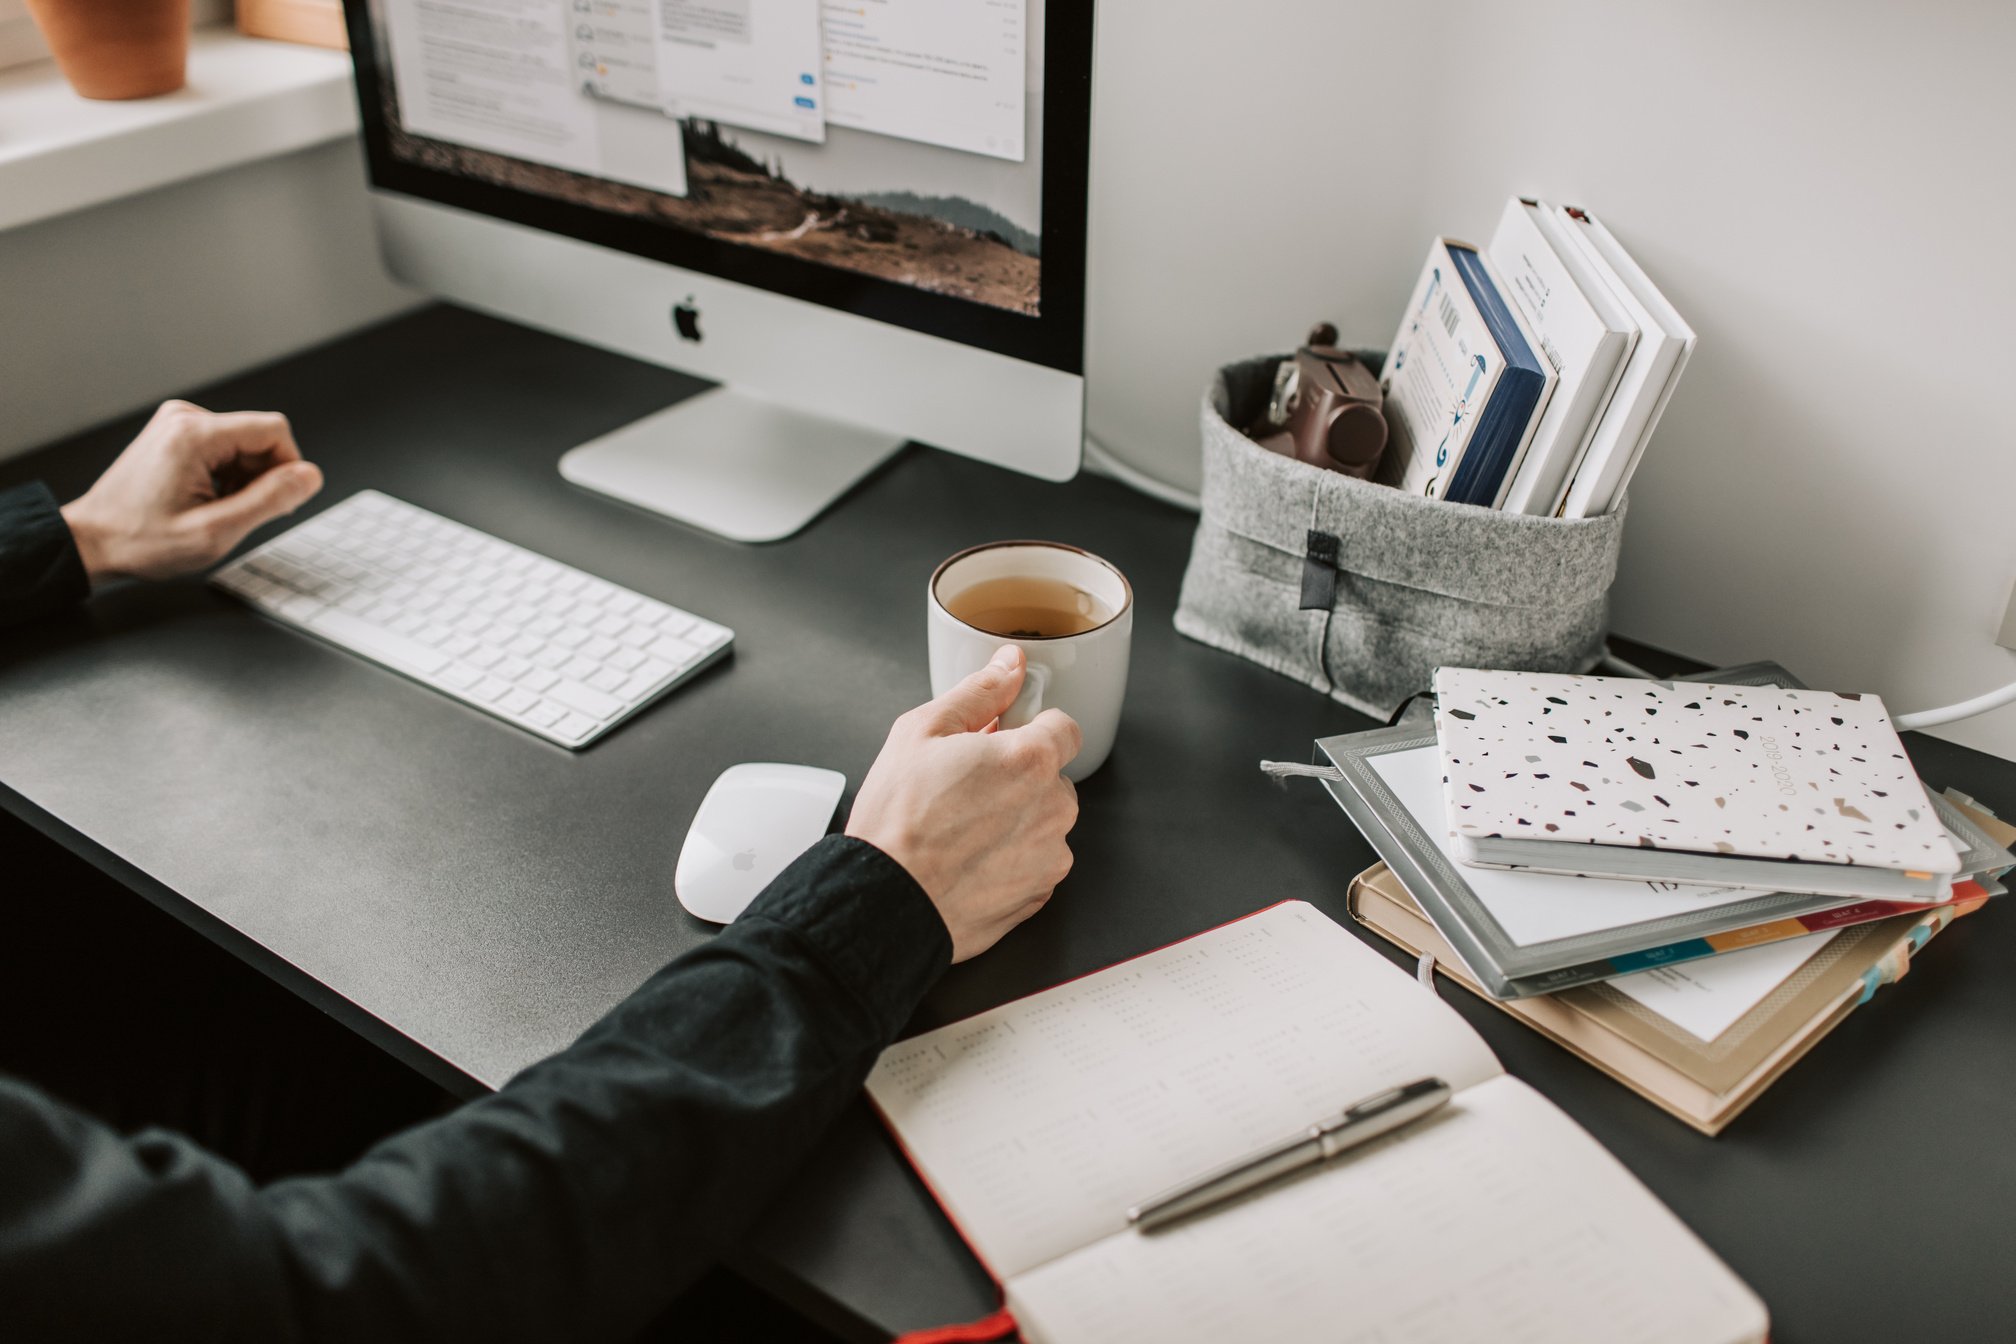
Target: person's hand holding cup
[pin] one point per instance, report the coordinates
(1070, 612)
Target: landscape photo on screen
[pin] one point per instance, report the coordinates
(900, 139)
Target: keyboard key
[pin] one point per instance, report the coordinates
(706, 634)
(490, 688)
(635, 686)
(368, 639)
(653, 671)
(626, 660)
(585, 699)
(510, 667)
(607, 679)
(675, 622)
(461, 677)
(516, 700)
(675, 651)
(581, 668)
(598, 648)
(538, 680)
(611, 627)
(545, 713)
(574, 727)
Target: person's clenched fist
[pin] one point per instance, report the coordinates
(187, 490)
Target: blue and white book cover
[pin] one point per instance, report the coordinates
(1440, 370)
(1506, 422)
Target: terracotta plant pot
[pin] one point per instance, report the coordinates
(117, 48)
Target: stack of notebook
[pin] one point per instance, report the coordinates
(1702, 876)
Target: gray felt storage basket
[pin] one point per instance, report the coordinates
(1399, 585)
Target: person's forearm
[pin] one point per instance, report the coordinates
(40, 570)
(577, 1200)
(594, 1185)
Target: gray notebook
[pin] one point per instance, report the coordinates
(1524, 933)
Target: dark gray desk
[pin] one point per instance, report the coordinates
(470, 898)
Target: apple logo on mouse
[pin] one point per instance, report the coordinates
(686, 317)
(745, 860)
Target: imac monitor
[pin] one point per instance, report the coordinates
(865, 219)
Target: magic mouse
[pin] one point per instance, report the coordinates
(755, 819)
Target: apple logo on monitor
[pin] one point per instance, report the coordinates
(686, 318)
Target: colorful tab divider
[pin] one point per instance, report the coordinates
(1966, 896)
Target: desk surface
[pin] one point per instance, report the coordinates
(470, 897)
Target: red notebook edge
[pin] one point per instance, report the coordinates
(1000, 1324)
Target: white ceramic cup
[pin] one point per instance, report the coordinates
(1085, 674)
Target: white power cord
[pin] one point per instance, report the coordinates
(1924, 718)
(1624, 669)
(1966, 709)
(1103, 461)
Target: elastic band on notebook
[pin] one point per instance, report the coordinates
(1291, 770)
(1424, 971)
(1000, 1325)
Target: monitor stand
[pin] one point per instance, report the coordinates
(730, 464)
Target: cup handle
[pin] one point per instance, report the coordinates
(1029, 701)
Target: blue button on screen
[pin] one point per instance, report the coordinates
(804, 79)
(804, 102)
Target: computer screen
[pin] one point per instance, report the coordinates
(889, 158)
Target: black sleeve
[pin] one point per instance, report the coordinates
(572, 1204)
(40, 570)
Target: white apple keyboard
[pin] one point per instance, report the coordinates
(543, 646)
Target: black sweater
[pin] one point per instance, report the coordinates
(570, 1205)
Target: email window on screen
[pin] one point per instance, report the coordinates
(752, 63)
(615, 46)
(945, 72)
(507, 76)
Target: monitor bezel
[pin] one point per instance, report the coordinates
(1054, 337)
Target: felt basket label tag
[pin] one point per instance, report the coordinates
(1319, 572)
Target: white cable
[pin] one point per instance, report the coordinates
(1966, 709)
(1103, 460)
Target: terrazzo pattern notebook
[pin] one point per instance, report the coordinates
(1690, 782)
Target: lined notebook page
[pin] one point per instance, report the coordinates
(1040, 1123)
(1498, 1219)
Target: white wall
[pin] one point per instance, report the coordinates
(1823, 189)
(112, 308)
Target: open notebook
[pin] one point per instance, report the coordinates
(1038, 1124)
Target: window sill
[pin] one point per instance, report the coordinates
(247, 99)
